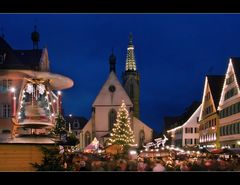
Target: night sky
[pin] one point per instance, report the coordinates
(173, 53)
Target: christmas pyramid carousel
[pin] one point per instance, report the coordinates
(38, 105)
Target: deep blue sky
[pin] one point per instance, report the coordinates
(174, 52)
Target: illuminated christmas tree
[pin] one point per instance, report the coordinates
(60, 125)
(122, 133)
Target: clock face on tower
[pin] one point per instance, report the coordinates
(112, 88)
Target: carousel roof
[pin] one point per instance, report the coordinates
(57, 81)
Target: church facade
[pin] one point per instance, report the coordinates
(109, 100)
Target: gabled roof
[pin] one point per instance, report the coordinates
(191, 119)
(106, 97)
(171, 121)
(29, 58)
(19, 59)
(216, 84)
(236, 67)
(176, 121)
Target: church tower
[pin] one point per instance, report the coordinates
(131, 78)
(35, 38)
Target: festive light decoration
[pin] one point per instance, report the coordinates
(122, 133)
(130, 61)
(29, 88)
(21, 113)
(159, 141)
(12, 89)
(41, 88)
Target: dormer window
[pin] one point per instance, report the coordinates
(230, 79)
(75, 124)
(232, 92)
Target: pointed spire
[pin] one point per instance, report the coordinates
(112, 62)
(130, 39)
(130, 61)
(35, 37)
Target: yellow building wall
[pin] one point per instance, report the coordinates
(210, 130)
(208, 117)
(17, 157)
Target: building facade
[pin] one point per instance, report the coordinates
(209, 134)
(229, 106)
(187, 134)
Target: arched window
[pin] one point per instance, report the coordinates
(112, 115)
(87, 138)
(141, 138)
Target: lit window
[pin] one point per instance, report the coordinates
(112, 115)
(5, 111)
(5, 85)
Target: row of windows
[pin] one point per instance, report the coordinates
(230, 79)
(5, 85)
(230, 93)
(191, 141)
(208, 137)
(230, 129)
(208, 110)
(191, 130)
(230, 110)
(209, 124)
(5, 111)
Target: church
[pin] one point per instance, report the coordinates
(109, 100)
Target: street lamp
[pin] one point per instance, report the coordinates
(13, 90)
(59, 103)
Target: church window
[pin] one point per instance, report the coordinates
(112, 115)
(112, 88)
(87, 138)
(141, 138)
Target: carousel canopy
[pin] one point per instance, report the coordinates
(56, 81)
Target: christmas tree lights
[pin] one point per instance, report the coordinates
(122, 133)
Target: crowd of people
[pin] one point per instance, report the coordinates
(97, 162)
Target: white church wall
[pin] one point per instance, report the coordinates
(86, 128)
(138, 126)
